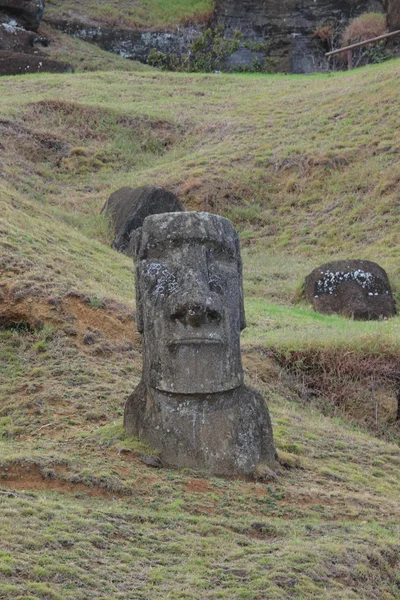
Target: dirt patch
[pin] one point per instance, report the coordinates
(31, 478)
(199, 486)
(85, 324)
(260, 366)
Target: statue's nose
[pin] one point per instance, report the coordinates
(194, 304)
(195, 313)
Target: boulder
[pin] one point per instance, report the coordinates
(16, 39)
(27, 13)
(128, 208)
(14, 63)
(354, 288)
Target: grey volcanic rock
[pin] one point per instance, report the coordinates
(243, 58)
(14, 63)
(27, 13)
(128, 207)
(354, 288)
(192, 404)
(224, 433)
(288, 24)
(128, 43)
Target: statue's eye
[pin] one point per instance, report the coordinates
(220, 255)
(216, 286)
(159, 281)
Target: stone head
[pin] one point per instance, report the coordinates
(189, 302)
(355, 288)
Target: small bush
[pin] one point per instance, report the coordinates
(364, 27)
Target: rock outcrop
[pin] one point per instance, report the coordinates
(131, 44)
(14, 38)
(19, 40)
(27, 13)
(354, 288)
(288, 25)
(127, 208)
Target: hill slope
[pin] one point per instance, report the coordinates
(125, 14)
(308, 170)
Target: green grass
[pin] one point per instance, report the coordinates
(307, 168)
(141, 14)
(86, 507)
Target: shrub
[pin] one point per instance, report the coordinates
(364, 27)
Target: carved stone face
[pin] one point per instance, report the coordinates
(189, 301)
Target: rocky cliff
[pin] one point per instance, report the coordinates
(393, 14)
(288, 25)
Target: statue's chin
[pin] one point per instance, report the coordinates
(197, 390)
(196, 366)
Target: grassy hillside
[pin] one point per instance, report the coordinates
(308, 169)
(122, 13)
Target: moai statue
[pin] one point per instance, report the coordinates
(191, 403)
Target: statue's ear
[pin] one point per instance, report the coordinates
(134, 250)
(139, 306)
(135, 241)
(241, 295)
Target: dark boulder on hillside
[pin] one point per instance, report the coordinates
(27, 13)
(128, 208)
(15, 63)
(354, 288)
(19, 21)
(16, 39)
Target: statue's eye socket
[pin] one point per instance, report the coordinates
(220, 255)
(215, 286)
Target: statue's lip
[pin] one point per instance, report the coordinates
(195, 341)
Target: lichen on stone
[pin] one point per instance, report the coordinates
(330, 280)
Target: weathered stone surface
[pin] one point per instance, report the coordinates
(130, 44)
(288, 24)
(16, 39)
(13, 63)
(27, 13)
(192, 404)
(128, 207)
(243, 59)
(354, 288)
(225, 433)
